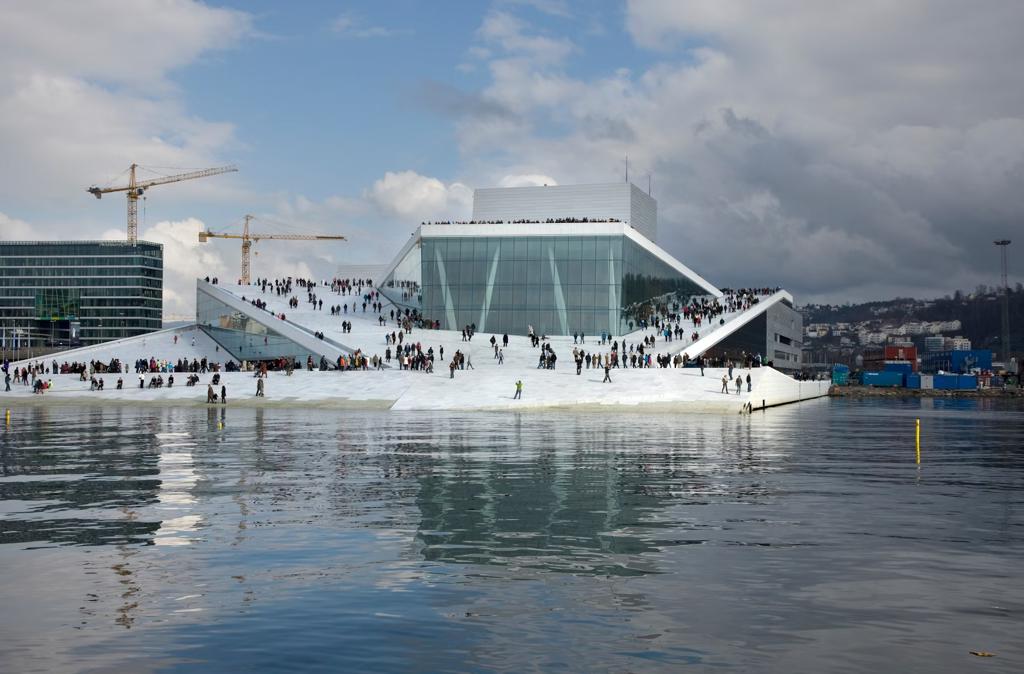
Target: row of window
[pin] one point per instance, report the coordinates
(788, 341)
(8, 261)
(24, 273)
(89, 294)
(524, 248)
(111, 329)
(62, 282)
(128, 317)
(61, 313)
(78, 248)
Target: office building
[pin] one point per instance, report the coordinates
(71, 293)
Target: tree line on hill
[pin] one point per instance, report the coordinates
(979, 312)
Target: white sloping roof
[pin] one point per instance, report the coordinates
(300, 335)
(715, 336)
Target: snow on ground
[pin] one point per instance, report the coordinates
(488, 385)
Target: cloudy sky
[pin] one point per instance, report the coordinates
(846, 151)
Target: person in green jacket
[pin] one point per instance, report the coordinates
(519, 390)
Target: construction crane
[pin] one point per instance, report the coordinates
(248, 239)
(136, 189)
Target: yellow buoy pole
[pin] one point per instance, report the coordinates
(917, 440)
(7, 418)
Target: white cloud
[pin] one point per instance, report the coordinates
(526, 180)
(837, 150)
(412, 196)
(510, 33)
(135, 43)
(558, 8)
(347, 25)
(84, 91)
(13, 229)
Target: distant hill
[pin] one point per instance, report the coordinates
(979, 312)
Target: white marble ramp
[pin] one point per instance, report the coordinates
(160, 345)
(480, 389)
(488, 386)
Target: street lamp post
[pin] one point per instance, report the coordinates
(1005, 337)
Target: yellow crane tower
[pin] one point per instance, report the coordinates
(135, 189)
(249, 239)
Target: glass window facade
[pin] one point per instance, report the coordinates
(765, 334)
(556, 284)
(748, 340)
(403, 284)
(66, 293)
(240, 335)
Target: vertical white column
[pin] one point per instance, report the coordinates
(613, 298)
(449, 309)
(563, 319)
(489, 290)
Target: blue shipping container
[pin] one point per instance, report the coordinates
(840, 375)
(964, 361)
(967, 381)
(891, 379)
(914, 381)
(946, 382)
(904, 368)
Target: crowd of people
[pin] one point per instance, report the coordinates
(670, 319)
(409, 289)
(525, 221)
(151, 364)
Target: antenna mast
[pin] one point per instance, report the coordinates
(1005, 337)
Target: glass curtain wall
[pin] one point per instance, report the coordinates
(749, 340)
(403, 285)
(556, 285)
(240, 335)
(108, 289)
(648, 281)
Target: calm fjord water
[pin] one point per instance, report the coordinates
(800, 540)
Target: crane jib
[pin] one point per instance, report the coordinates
(136, 189)
(248, 239)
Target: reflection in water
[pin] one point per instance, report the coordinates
(126, 578)
(174, 499)
(803, 539)
(583, 508)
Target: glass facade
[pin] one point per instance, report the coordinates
(403, 284)
(240, 335)
(556, 284)
(748, 340)
(773, 334)
(66, 293)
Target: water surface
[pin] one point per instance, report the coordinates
(803, 539)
